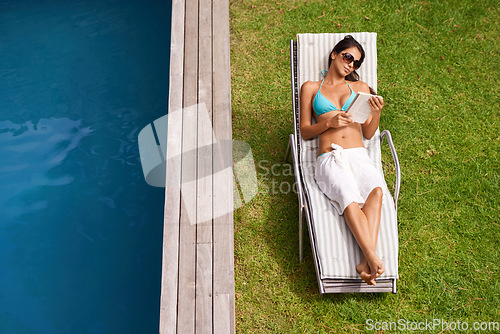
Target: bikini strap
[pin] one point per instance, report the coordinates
(348, 84)
(324, 72)
(321, 84)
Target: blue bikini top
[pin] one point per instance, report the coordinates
(322, 105)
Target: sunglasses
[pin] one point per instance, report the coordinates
(349, 58)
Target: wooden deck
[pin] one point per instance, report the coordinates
(197, 293)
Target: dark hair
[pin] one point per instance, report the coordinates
(347, 43)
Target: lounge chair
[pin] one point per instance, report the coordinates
(334, 249)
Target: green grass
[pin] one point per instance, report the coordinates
(438, 73)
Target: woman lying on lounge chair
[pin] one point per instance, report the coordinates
(344, 172)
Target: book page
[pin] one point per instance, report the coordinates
(359, 108)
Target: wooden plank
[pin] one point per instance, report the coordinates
(224, 313)
(204, 223)
(204, 268)
(223, 280)
(204, 288)
(168, 300)
(205, 129)
(187, 240)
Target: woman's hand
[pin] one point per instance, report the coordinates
(376, 104)
(371, 125)
(339, 120)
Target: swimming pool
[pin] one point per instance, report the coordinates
(80, 230)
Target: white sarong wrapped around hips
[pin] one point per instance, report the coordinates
(346, 176)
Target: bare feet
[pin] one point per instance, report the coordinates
(364, 272)
(376, 266)
(370, 269)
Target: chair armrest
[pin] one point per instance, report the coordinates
(298, 176)
(387, 134)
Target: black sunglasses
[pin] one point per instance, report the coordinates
(349, 58)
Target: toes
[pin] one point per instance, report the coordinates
(378, 272)
(367, 278)
(365, 272)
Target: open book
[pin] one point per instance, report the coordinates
(359, 108)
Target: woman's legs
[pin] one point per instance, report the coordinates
(372, 210)
(364, 225)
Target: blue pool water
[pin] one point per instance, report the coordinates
(80, 230)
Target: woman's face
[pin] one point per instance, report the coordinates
(342, 66)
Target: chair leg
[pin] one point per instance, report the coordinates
(301, 252)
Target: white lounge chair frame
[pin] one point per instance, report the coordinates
(336, 257)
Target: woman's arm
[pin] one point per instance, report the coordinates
(308, 130)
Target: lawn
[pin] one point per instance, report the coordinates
(438, 72)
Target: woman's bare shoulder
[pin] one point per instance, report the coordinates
(360, 86)
(310, 86)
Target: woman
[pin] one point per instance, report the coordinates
(344, 172)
